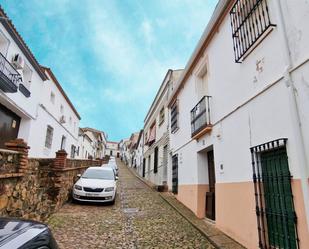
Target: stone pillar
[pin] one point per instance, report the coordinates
(21, 146)
(61, 159)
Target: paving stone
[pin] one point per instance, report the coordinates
(140, 218)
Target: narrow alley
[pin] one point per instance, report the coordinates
(138, 219)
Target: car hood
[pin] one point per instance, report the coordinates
(95, 183)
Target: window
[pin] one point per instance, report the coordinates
(249, 21)
(70, 121)
(4, 44)
(201, 78)
(61, 109)
(49, 136)
(174, 117)
(27, 75)
(73, 149)
(161, 117)
(155, 165)
(276, 217)
(52, 97)
(63, 140)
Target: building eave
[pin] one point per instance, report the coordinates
(154, 102)
(220, 11)
(9, 26)
(53, 77)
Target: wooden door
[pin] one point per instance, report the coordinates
(210, 195)
(9, 125)
(278, 197)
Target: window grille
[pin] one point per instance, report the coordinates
(49, 137)
(249, 20)
(174, 117)
(73, 150)
(155, 165)
(276, 217)
(162, 116)
(175, 174)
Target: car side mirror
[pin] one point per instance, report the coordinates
(116, 178)
(79, 175)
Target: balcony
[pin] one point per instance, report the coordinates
(9, 77)
(200, 118)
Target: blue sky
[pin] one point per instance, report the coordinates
(111, 55)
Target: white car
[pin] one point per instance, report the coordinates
(112, 165)
(96, 184)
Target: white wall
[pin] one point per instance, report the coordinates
(265, 118)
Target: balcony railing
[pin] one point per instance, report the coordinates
(9, 77)
(200, 117)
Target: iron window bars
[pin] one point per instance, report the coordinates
(249, 20)
(155, 163)
(175, 174)
(200, 115)
(49, 136)
(174, 117)
(276, 217)
(9, 77)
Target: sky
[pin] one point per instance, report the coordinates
(111, 56)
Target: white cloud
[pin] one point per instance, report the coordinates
(147, 31)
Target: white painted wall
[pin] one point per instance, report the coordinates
(37, 111)
(263, 119)
(251, 103)
(111, 147)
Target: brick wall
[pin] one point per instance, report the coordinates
(34, 188)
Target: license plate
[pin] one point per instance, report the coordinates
(87, 194)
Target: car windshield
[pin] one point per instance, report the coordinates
(99, 174)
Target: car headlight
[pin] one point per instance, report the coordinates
(109, 189)
(78, 187)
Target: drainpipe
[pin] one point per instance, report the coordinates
(296, 121)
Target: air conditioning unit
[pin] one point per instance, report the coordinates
(18, 61)
(62, 119)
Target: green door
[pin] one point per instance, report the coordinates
(279, 206)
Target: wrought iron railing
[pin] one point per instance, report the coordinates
(200, 115)
(249, 20)
(9, 77)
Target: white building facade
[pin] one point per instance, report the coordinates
(25, 99)
(139, 154)
(239, 134)
(156, 135)
(91, 143)
(112, 149)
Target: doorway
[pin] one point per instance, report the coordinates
(9, 125)
(210, 195)
(277, 226)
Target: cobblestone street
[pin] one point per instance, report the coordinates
(140, 218)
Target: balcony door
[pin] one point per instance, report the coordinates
(9, 125)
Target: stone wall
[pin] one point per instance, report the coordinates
(34, 188)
